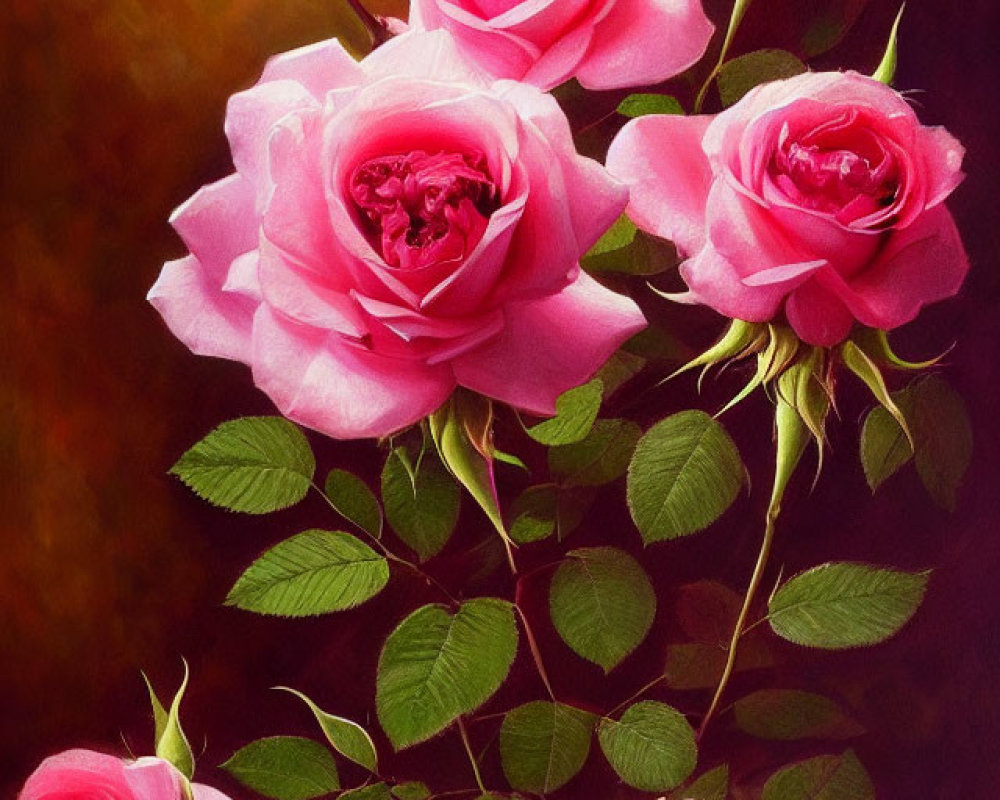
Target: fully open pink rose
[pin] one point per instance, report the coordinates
(396, 228)
(79, 774)
(605, 44)
(819, 197)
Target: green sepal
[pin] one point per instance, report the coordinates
(738, 337)
(780, 350)
(462, 430)
(886, 69)
(801, 386)
(159, 712)
(791, 437)
(861, 364)
(876, 344)
(172, 744)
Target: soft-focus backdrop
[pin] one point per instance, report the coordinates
(112, 115)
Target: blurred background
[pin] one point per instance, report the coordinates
(112, 115)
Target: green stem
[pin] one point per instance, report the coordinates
(655, 682)
(791, 438)
(472, 759)
(739, 9)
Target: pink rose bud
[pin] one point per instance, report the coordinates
(605, 44)
(87, 774)
(819, 198)
(394, 229)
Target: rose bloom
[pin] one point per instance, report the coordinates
(394, 229)
(78, 774)
(605, 44)
(819, 197)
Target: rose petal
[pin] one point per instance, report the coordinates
(714, 281)
(77, 773)
(558, 63)
(209, 321)
(659, 157)
(319, 380)
(153, 778)
(817, 315)
(433, 55)
(203, 792)
(217, 223)
(550, 345)
(642, 42)
(921, 264)
(942, 162)
(319, 67)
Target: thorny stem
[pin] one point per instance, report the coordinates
(472, 759)
(755, 580)
(739, 9)
(385, 551)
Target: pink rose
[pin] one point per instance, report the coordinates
(819, 197)
(394, 229)
(605, 44)
(85, 774)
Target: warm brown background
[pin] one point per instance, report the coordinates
(112, 115)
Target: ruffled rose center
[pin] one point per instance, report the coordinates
(420, 208)
(847, 173)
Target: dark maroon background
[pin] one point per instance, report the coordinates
(107, 566)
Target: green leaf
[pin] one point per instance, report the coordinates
(424, 512)
(787, 714)
(685, 473)
(884, 446)
(743, 73)
(354, 501)
(642, 254)
(943, 436)
(159, 712)
(576, 411)
(620, 234)
(841, 605)
(533, 514)
(618, 370)
(712, 785)
(640, 104)
(252, 464)
(437, 666)
(285, 768)
(313, 572)
(821, 778)
(572, 507)
(543, 745)
(602, 604)
(651, 747)
(172, 744)
(375, 791)
(886, 69)
(600, 458)
(346, 737)
(861, 365)
(411, 790)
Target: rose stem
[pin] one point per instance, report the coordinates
(789, 445)
(472, 759)
(430, 579)
(739, 9)
(374, 26)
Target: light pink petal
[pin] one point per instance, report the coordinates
(152, 778)
(659, 158)
(641, 42)
(319, 67)
(250, 119)
(203, 792)
(209, 321)
(433, 55)
(218, 223)
(557, 64)
(550, 345)
(714, 281)
(77, 773)
(322, 381)
(817, 315)
(596, 198)
(243, 277)
(942, 161)
(921, 264)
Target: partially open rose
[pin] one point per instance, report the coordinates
(77, 774)
(396, 228)
(605, 44)
(819, 197)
